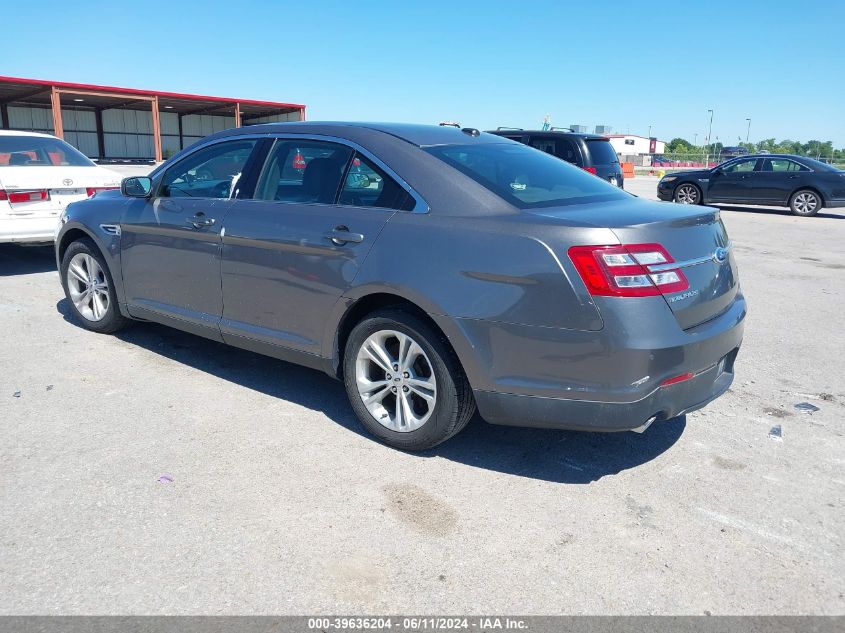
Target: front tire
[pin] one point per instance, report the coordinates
(405, 382)
(805, 202)
(89, 288)
(687, 193)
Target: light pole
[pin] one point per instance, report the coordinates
(709, 137)
(695, 140)
(748, 131)
(649, 131)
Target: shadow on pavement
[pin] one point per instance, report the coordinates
(824, 213)
(26, 259)
(548, 455)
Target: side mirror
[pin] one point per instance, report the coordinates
(136, 186)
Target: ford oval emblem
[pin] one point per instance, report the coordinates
(720, 255)
(67, 182)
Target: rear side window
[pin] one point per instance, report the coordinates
(303, 171)
(781, 165)
(366, 185)
(560, 147)
(525, 177)
(601, 152)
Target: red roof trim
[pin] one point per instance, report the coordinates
(135, 91)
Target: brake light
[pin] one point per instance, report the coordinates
(24, 196)
(92, 190)
(592, 170)
(627, 270)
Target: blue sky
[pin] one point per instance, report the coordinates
(630, 64)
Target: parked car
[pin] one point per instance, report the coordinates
(466, 271)
(39, 176)
(802, 184)
(590, 152)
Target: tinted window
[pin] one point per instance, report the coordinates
(35, 151)
(601, 152)
(366, 185)
(560, 147)
(303, 171)
(525, 177)
(740, 166)
(212, 172)
(781, 165)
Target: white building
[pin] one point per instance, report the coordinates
(633, 145)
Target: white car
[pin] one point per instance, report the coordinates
(39, 176)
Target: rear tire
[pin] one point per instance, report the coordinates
(805, 202)
(416, 392)
(687, 193)
(89, 288)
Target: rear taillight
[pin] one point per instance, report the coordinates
(24, 196)
(592, 170)
(92, 190)
(627, 270)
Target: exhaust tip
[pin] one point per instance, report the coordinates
(641, 429)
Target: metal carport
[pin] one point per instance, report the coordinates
(110, 122)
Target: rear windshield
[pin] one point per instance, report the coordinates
(525, 177)
(38, 151)
(602, 152)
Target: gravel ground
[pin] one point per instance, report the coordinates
(159, 473)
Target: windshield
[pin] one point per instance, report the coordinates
(39, 151)
(525, 177)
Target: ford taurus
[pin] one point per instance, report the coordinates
(434, 270)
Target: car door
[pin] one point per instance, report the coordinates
(777, 179)
(170, 242)
(732, 182)
(294, 247)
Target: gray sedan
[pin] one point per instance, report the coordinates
(434, 270)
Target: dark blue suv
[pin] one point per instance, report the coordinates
(590, 152)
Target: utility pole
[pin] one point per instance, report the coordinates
(748, 131)
(709, 138)
(649, 131)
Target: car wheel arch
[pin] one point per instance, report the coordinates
(357, 310)
(806, 188)
(73, 235)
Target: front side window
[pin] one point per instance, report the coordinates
(39, 151)
(366, 185)
(303, 171)
(782, 165)
(212, 172)
(525, 177)
(740, 166)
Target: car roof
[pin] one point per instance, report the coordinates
(24, 133)
(792, 156)
(584, 135)
(416, 134)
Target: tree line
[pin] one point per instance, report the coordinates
(814, 149)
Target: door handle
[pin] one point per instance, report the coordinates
(199, 220)
(340, 235)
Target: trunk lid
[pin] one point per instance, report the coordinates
(64, 184)
(694, 237)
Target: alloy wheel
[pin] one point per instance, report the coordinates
(88, 287)
(395, 380)
(687, 194)
(806, 202)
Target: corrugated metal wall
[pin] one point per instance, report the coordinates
(128, 133)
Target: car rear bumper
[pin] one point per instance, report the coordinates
(17, 229)
(591, 415)
(606, 380)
